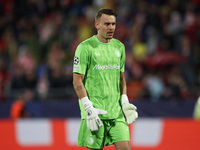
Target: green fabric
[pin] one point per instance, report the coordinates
(197, 110)
(101, 63)
(114, 130)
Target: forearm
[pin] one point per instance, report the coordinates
(123, 88)
(93, 120)
(128, 108)
(78, 86)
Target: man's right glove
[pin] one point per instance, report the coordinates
(92, 114)
(129, 110)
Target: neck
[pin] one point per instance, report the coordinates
(103, 39)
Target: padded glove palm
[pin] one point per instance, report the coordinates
(129, 110)
(92, 114)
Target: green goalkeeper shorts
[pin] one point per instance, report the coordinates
(114, 130)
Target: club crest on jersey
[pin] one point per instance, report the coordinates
(90, 140)
(97, 53)
(76, 60)
(117, 52)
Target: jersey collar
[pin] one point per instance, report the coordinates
(95, 36)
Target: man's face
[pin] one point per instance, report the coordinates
(106, 26)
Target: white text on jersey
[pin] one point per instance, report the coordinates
(115, 66)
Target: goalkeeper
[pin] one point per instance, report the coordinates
(98, 79)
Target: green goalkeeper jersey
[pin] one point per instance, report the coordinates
(101, 63)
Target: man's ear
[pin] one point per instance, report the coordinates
(96, 24)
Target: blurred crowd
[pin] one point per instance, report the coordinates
(38, 39)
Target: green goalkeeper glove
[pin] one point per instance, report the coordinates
(129, 110)
(92, 114)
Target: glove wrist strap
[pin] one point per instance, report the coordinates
(86, 102)
(124, 99)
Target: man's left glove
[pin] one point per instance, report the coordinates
(129, 110)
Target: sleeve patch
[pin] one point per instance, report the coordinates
(76, 68)
(76, 60)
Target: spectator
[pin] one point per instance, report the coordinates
(4, 79)
(155, 86)
(18, 108)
